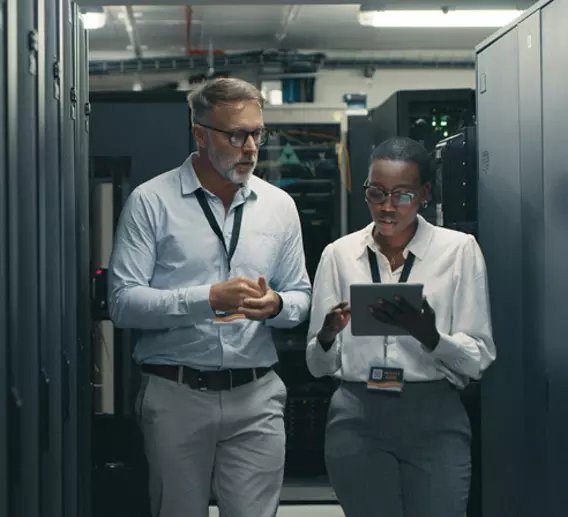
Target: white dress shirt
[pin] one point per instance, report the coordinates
(451, 267)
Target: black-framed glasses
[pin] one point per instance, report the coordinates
(238, 137)
(378, 196)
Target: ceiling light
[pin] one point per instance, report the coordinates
(93, 17)
(438, 18)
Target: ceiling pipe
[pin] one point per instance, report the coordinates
(277, 64)
(290, 14)
(132, 30)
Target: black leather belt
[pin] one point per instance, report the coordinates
(216, 380)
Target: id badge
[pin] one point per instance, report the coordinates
(382, 378)
(224, 318)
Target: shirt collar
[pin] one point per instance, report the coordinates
(418, 244)
(190, 182)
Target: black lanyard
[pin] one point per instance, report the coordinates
(374, 263)
(215, 226)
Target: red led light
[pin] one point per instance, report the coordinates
(99, 272)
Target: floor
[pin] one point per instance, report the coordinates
(299, 511)
(317, 492)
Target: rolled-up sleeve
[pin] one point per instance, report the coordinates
(291, 280)
(132, 302)
(469, 349)
(326, 295)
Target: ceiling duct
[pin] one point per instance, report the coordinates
(268, 63)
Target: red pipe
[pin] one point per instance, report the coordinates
(188, 49)
(188, 19)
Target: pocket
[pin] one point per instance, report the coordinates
(282, 390)
(141, 398)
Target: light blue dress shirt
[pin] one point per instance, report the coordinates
(166, 257)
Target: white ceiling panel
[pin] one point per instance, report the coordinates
(162, 31)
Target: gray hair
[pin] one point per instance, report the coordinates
(212, 93)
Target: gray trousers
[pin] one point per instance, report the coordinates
(402, 455)
(231, 442)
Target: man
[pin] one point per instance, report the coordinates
(207, 258)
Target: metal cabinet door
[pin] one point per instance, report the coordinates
(69, 260)
(50, 271)
(499, 199)
(530, 125)
(555, 112)
(23, 255)
(3, 282)
(82, 197)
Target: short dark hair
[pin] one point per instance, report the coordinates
(403, 149)
(206, 96)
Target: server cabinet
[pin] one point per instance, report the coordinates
(123, 127)
(3, 280)
(361, 141)
(68, 111)
(500, 235)
(424, 115)
(455, 186)
(533, 237)
(23, 257)
(132, 124)
(555, 112)
(84, 405)
(50, 272)
(427, 116)
(522, 106)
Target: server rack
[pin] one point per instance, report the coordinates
(38, 474)
(424, 115)
(50, 271)
(83, 310)
(69, 266)
(3, 279)
(23, 257)
(123, 126)
(522, 219)
(455, 187)
(427, 116)
(303, 160)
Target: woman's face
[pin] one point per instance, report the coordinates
(394, 213)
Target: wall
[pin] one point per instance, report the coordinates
(331, 85)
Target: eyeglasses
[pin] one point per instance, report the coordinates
(238, 137)
(378, 196)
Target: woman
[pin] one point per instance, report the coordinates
(407, 453)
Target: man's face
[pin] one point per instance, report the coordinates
(236, 163)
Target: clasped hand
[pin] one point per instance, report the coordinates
(420, 324)
(253, 299)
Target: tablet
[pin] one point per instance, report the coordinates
(362, 295)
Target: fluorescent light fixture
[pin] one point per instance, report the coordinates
(93, 17)
(489, 18)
